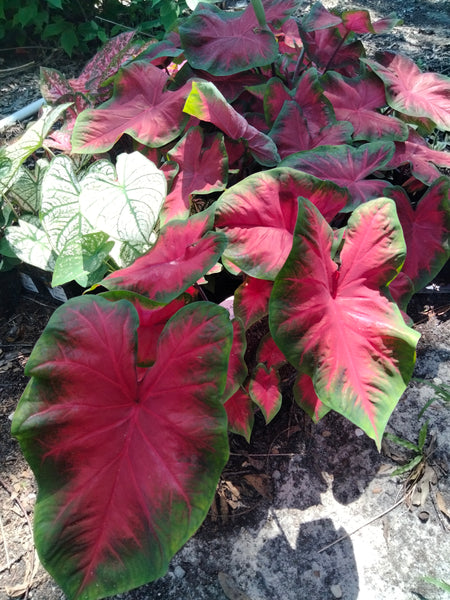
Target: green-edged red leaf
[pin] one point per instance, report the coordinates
(269, 354)
(347, 167)
(127, 461)
(264, 390)
(240, 413)
(258, 216)
(358, 100)
(411, 92)
(141, 106)
(206, 103)
(203, 168)
(336, 324)
(251, 300)
(306, 397)
(222, 42)
(427, 232)
(184, 251)
(237, 369)
(359, 21)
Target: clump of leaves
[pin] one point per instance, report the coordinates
(290, 160)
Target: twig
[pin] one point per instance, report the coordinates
(5, 545)
(15, 69)
(385, 512)
(265, 455)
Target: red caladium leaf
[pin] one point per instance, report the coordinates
(264, 390)
(183, 252)
(421, 157)
(251, 300)
(141, 106)
(359, 21)
(291, 132)
(269, 354)
(240, 413)
(347, 167)
(308, 94)
(222, 42)
(306, 397)
(337, 325)
(206, 103)
(237, 369)
(427, 233)
(152, 320)
(358, 100)
(258, 216)
(127, 466)
(201, 170)
(319, 18)
(54, 86)
(401, 290)
(412, 92)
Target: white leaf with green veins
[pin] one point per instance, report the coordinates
(125, 202)
(26, 189)
(60, 212)
(29, 242)
(12, 156)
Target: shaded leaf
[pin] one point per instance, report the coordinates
(264, 390)
(240, 414)
(251, 300)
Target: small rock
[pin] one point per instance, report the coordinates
(336, 590)
(179, 572)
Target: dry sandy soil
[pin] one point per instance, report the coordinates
(298, 487)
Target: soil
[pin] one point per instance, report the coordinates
(298, 487)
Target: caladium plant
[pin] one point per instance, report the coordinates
(258, 142)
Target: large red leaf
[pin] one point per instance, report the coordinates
(141, 106)
(336, 325)
(347, 167)
(412, 92)
(222, 42)
(183, 252)
(206, 103)
(427, 233)
(359, 21)
(358, 101)
(258, 216)
(202, 169)
(127, 466)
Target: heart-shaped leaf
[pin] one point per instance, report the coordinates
(337, 325)
(127, 466)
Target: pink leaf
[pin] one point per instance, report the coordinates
(427, 232)
(307, 399)
(412, 92)
(206, 103)
(358, 101)
(336, 325)
(184, 251)
(347, 167)
(265, 391)
(140, 106)
(127, 466)
(258, 216)
(223, 43)
(201, 170)
(240, 414)
(251, 300)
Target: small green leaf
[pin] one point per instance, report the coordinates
(69, 40)
(55, 3)
(422, 436)
(402, 442)
(409, 466)
(439, 583)
(29, 242)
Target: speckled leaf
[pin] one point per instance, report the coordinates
(28, 241)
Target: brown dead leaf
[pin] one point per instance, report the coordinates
(442, 505)
(261, 483)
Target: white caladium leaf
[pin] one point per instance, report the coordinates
(124, 201)
(12, 156)
(29, 242)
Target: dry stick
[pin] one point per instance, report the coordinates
(385, 512)
(5, 545)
